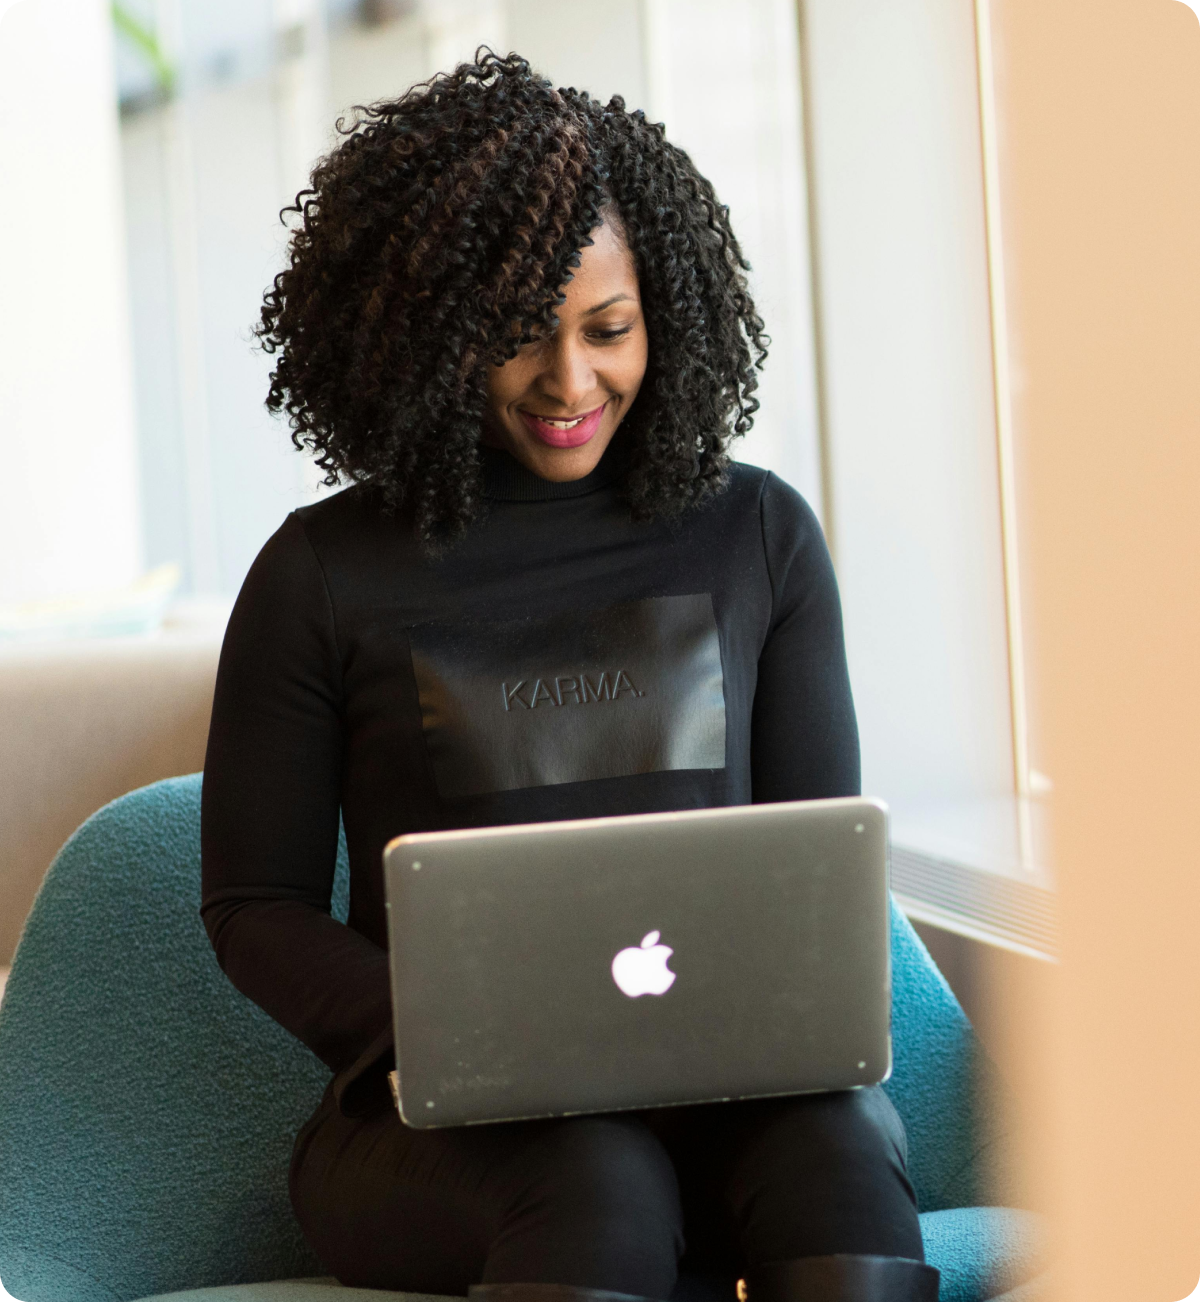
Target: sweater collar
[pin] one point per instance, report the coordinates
(505, 479)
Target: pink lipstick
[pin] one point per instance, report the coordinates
(564, 431)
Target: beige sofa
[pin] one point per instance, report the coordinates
(82, 722)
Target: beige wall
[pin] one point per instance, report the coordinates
(81, 724)
(1100, 124)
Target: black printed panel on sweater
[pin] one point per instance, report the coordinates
(633, 688)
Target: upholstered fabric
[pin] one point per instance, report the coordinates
(291, 1290)
(147, 1109)
(981, 1250)
(942, 1084)
(1040, 1289)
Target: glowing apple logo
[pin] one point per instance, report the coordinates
(642, 969)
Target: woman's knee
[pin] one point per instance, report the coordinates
(825, 1173)
(830, 1129)
(598, 1207)
(613, 1165)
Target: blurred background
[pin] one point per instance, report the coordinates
(854, 144)
(147, 472)
(972, 228)
(224, 106)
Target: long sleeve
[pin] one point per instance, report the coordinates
(804, 737)
(271, 799)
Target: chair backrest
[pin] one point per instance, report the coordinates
(942, 1084)
(147, 1109)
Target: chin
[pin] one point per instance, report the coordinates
(561, 465)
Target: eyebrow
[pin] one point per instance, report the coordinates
(608, 302)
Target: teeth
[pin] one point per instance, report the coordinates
(560, 424)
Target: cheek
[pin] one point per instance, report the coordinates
(505, 384)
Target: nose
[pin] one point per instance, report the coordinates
(569, 378)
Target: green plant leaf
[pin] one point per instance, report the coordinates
(145, 41)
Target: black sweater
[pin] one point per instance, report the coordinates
(560, 662)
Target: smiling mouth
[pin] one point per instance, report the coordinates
(559, 424)
(564, 432)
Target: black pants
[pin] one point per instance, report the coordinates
(605, 1202)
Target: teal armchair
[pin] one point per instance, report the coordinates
(147, 1109)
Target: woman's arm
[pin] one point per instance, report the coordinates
(269, 823)
(804, 738)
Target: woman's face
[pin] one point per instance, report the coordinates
(556, 405)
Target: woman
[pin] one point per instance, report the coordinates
(517, 321)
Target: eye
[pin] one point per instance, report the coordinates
(607, 336)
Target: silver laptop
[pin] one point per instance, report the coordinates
(638, 962)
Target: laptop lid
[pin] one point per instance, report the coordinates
(641, 961)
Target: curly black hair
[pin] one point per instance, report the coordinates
(437, 237)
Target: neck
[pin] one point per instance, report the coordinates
(507, 480)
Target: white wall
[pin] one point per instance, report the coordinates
(69, 506)
(724, 77)
(205, 177)
(915, 515)
(372, 63)
(610, 61)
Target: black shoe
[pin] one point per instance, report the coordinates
(547, 1293)
(843, 1278)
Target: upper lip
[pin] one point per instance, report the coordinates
(577, 415)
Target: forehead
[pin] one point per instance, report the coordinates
(606, 267)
